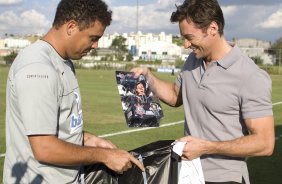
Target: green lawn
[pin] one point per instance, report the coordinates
(103, 114)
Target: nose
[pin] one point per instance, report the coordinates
(187, 44)
(94, 45)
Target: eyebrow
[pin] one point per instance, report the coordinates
(188, 36)
(95, 36)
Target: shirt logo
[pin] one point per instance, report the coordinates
(77, 99)
(76, 122)
(76, 119)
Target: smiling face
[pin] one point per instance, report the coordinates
(80, 42)
(197, 39)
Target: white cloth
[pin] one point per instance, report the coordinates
(189, 172)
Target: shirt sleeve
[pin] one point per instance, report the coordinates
(36, 86)
(256, 96)
(178, 80)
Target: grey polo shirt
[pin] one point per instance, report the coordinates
(43, 98)
(216, 102)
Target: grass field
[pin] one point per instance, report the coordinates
(103, 114)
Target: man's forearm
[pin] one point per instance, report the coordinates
(246, 146)
(50, 149)
(166, 91)
(260, 142)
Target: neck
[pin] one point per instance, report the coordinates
(54, 38)
(219, 49)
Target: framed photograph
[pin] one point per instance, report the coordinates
(140, 106)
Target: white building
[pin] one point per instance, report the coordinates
(252, 43)
(256, 48)
(133, 40)
(106, 40)
(2, 44)
(16, 43)
(139, 43)
(159, 50)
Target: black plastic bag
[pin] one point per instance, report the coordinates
(99, 174)
(160, 162)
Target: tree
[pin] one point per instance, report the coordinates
(276, 49)
(119, 46)
(178, 63)
(10, 58)
(258, 60)
(178, 40)
(129, 57)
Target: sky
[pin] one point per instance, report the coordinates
(260, 19)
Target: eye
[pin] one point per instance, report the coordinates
(187, 37)
(94, 39)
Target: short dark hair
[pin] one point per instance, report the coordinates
(201, 12)
(84, 12)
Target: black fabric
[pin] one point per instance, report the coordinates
(99, 174)
(161, 167)
(70, 64)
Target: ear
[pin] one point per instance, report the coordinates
(71, 27)
(213, 28)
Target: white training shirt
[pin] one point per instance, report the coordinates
(43, 98)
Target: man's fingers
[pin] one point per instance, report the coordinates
(128, 165)
(139, 71)
(184, 139)
(136, 162)
(125, 168)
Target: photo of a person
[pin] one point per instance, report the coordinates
(140, 92)
(141, 108)
(140, 89)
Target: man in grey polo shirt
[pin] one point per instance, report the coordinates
(226, 97)
(45, 142)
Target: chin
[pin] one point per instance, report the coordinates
(76, 57)
(199, 56)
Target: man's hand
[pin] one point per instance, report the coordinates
(194, 147)
(120, 161)
(117, 160)
(168, 92)
(138, 71)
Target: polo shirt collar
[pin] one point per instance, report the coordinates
(59, 62)
(230, 58)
